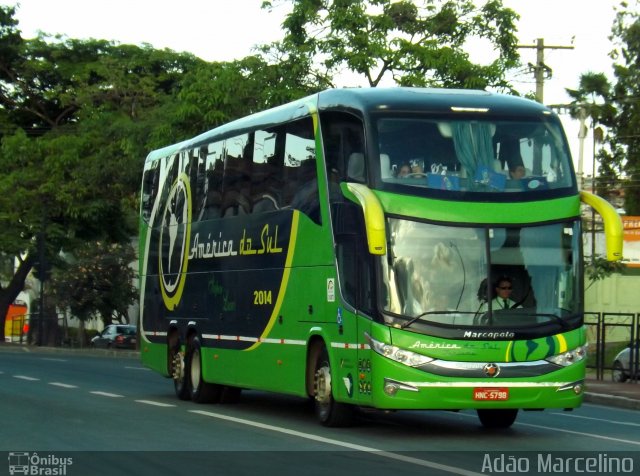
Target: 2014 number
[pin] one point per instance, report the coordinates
(260, 298)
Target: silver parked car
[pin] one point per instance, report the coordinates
(623, 367)
(122, 336)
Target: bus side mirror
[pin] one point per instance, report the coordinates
(613, 230)
(374, 221)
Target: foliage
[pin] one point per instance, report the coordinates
(600, 268)
(626, 91)
(76, 119)
(96, 281)
(416, 43)
(616, 106)
(593, 101)
(217, 93)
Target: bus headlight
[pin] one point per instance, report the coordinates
(568, 358)
(397, 354)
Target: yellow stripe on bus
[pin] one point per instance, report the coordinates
(563, 343)
(285, 279)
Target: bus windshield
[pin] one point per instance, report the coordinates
(481, 276)
(487, 155)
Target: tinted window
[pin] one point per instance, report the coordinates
(473, 155)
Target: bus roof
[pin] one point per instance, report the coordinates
(367, 101)
(427, 99)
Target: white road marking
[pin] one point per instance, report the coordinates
(598, 419)
(602, 437)
(157, 404)
(24, 377)
(137, 368)
(107, 394)
(344, 444)
(63, 385)
(51, 359)
(562, 430)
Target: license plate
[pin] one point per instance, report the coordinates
(491, 393)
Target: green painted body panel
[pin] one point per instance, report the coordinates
(154, 356)
(480, 212)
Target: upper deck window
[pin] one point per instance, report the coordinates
(473, 155)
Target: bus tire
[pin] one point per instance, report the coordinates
(177, 371)
(494, 418)
(199, 390)
(328, 411)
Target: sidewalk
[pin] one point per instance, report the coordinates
(606, 392)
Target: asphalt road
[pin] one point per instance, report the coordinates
(112, 416)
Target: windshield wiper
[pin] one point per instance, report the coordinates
(558, 319)
(419, 316)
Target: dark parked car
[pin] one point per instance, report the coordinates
(623, 367)
(122, 336)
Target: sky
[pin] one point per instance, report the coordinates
(224, 30)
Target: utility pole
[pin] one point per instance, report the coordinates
(540, 70)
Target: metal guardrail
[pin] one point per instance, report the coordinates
(608, 334)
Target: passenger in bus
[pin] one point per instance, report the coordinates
(510, 155)
(404, 170)
(517, 172)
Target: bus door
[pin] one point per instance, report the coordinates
(356, 279)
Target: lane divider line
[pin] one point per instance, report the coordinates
(63, 385)
(25, 377)
(157, 404)
(106, 394)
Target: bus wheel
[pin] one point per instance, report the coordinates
(199, 390)
(491, 418)
(177, 371)
(328, 411)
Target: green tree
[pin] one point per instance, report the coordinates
(416, 43)
(625, 141)
(593, 101)
(216, 93)
(96, 281)
(76, 120)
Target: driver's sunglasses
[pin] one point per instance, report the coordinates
(505, 287)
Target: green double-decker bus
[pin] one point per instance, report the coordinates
(391, 249)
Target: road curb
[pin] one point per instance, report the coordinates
(612, 400)
(84, 351)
